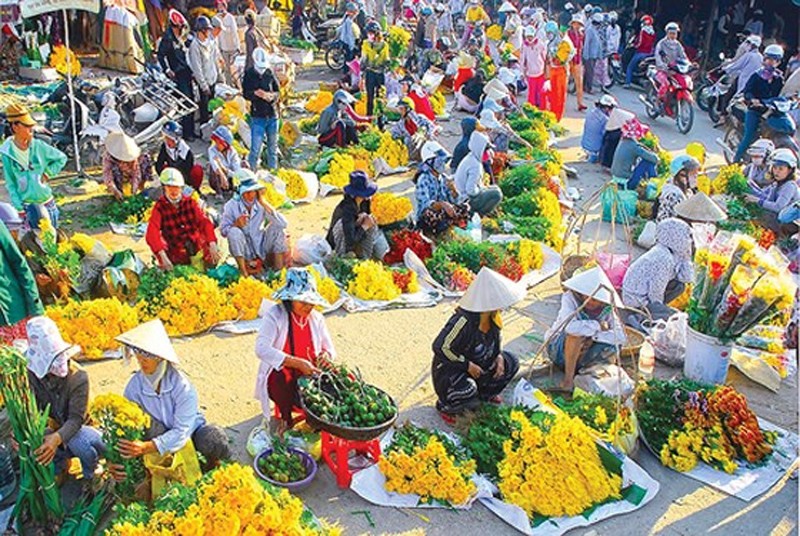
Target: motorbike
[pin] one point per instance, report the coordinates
(776, 125)
(640, 73)
(677, 102)
(615, 71)
(713, 85)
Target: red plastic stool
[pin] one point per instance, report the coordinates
(336, 453)
(298, 415)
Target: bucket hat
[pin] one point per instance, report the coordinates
(45, 344)
(360, 185)
(300, 286)
(18, 113)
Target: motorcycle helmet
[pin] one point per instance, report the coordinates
(568, 6)
(176, 18)
(529, 31)
(647, 20)
(432, 149)
(588, 8)
(683, 162)
(172, 130)
(351, 7)
(342, 96)
(784, 156)
(672, 27)
(202, 23)
(426, 11)
(613, 16)
(171, 177)
(754, 40)
(551, 27)
(146, 113)
(373, 27)
(597, 18)
(761, 147)
(774, 52)
(260, 59)
(222, 133)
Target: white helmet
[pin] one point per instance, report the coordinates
(761, 147)
(774, 51)
(672, 27)
(754, 40)
(613, 15)
(784, 156)
(608, 100)
(588, 8)
(431, 149)
(260, 58)
(569, 6)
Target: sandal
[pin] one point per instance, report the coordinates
(447, 417)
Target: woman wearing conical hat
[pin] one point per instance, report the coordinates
(469, 366)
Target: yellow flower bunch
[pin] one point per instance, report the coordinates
(83, 243)
(550, 208)
(326, 286)
(537, 476)
(720, 183)
(321, 100)
(93, 324)
(230, 114)
(246, 294)
(58, 60)
(339, 169)
(289, 133)
(686, 447)
(372, 281)
(360, 106)
(273, 196)
(390, 208)
(438, 103)
(398, 39)
(430, 473)
(704, 184)
(528, 254)
(194, 304)
(295, 185)
(134, 219)
(362, 159)
(494, 32)
(393, 151)
(112, 410)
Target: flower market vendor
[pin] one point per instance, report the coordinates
(661, 274)
(353, 230)
(61, 386)
(630, 153)
(126, 169)
(700, 208)
(684, 171)
(587, 329)
(223, 161)
(436, 194)
(781, 193)
(19, 295)
(413, 128)
(176, 153)
(594, 127)
(337, 126)
(469, 365)
(468, 125)
(167, 395)
(292, 337)
(178, 228)
(256, 232)
(469, 177)
(28, 165)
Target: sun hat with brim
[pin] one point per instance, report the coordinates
(300, 286)
(122, 147)
(594, 283)
(17, 113)
(491, 291)
(249, 185)
(684, 161)
(360, 185)
(488, 119)
(577, 18)
(492, 105)
(507, 7)
(150, 338)
(45, 344)
(700, 208)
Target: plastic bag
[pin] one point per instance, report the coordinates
(615, 265)
(181, 466)
(259, 439)
(311, 249)
(619, 203)
(647, 238)
(669, 339)
(607, 379)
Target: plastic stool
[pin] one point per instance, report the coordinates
(298, 415)
(336, 453)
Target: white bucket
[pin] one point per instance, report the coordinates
(707, 359)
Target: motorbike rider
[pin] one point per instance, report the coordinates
(204, 60)
(349, 32)
(375, 61)
(413, 128)
(644, 45)
(741, 69)
(474, 17)
(668, 52)
(172, 56)
(337, 126)
(763, 86)
(176, 153)
(756, 170)
(781, 193)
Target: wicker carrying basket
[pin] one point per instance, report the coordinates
(635, 341)
(571, 263)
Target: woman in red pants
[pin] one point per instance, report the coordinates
(291, 342)
(559, 54)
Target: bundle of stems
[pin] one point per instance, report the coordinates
(86, 515)
(38, 500)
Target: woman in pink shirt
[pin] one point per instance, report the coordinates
(532, 63)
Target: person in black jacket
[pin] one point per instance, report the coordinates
(354, 231)
(469, 366)
(172, 58)
(176, 153)
(261, 88)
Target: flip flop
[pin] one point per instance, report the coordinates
(448, 418)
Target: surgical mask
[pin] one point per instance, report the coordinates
(439, 164)
(757, 160)
(260, 70)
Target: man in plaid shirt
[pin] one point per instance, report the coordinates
(178, 228)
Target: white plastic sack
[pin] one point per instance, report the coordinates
(648, 237)
(258, 440)
(310, 249)
(669, 339)
(608, 379)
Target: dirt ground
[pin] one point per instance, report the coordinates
(392, 350)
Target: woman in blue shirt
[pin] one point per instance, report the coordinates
(437, 209)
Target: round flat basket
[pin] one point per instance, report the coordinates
(635, 342)
(348, 432)
(571, 263)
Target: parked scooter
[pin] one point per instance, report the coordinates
(776, 125)
(677, 101)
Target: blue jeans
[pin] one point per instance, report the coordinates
(261, 128)
(637, 57)
(86, 445)
(751, 120)
(34, 213)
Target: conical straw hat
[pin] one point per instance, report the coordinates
(594, 283)
(491, 292)
(700, 207)
(152, 338)
(122, 147)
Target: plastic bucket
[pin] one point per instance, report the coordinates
(707, 359)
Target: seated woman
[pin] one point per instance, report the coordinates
(292, 340)
(417, 94)
(468, 96)
(256, 232)
(414, 129)
(178, 228)
(353, 231)
(169, 398)
(338, 123)
(756, 170)
(62, 388)
(587, 330)
(613, 132)
(176, 153)
(468, 125)
(436, 194)
(660, 275)
(126, 169)
(469, 365)
(684, 171)
(781, 193)
(629, 152)
(469, 177)
(223, 161)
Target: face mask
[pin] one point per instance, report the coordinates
(260, 70)
(757, 160)
(60, 367)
